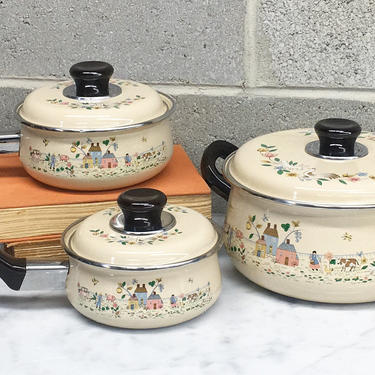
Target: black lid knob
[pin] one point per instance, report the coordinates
(337, 136)
(142, 209)
(91, 78)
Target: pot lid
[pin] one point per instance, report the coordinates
(93, 101)
(328, 167)
(146, 234)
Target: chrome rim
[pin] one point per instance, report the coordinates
(171, 108)
(66, 245)
(229, 178)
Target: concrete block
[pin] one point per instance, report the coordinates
(159, 41)
(316, 43)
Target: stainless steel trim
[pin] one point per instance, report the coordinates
(45, 275)
(171, 108)
(168, 221)
(66, 240)
(227, 175)
(11, 139)
(312, 148)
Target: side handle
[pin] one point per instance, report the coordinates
(12, 270)
(22, 274)
(9, 137)
(213, 177)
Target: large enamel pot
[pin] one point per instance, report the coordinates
(300, 214)
(146, 267)
(94, 133)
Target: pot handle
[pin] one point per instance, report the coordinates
(9, 137)
(21, 274)
(213, 177)
(91, 78)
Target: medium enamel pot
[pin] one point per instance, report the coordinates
(95, 133)
(300, 211)
(151, 265)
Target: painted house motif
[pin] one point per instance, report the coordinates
(154, 302)
(271, 238)
(141, 294)
(286, 254)
(260, 248)
(87, 161)
(109, 160)
(96, 154)
(133, 303)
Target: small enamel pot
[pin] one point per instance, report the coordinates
(300, 210)
(148, 266)
(94, 133)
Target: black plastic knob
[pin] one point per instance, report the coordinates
(337, 136)
(142, 209)
(91, 78)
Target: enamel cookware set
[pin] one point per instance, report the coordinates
(299, 216)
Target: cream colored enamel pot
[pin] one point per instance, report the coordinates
(301, 208)
(150, 266)
(94, 133)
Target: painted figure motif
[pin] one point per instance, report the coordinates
(99, 159)
(173, 301)
(144, 302)
(314, 261)
(291, 261)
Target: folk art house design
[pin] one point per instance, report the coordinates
(286, 254)
(141, 293)
(109, 160)
(275, 249)
(260, 248)
(271, 237)
(143, 302)
(97, 159)
(96, 154)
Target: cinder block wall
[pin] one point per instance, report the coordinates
(237, 68)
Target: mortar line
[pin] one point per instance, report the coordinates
(250, 61)
(353, 94)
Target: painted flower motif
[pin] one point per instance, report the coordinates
(239, 234)
(270, 155)
(347, 236)
(292, 168)
(242, 246)
(331, 176)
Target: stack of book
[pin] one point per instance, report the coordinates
(33, 215)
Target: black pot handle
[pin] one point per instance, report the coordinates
(12, 270)
(213, 177)
(142, 209)
(91, 78)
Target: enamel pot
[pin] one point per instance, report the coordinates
(151, 265)
(94, 133)
(301, 207)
